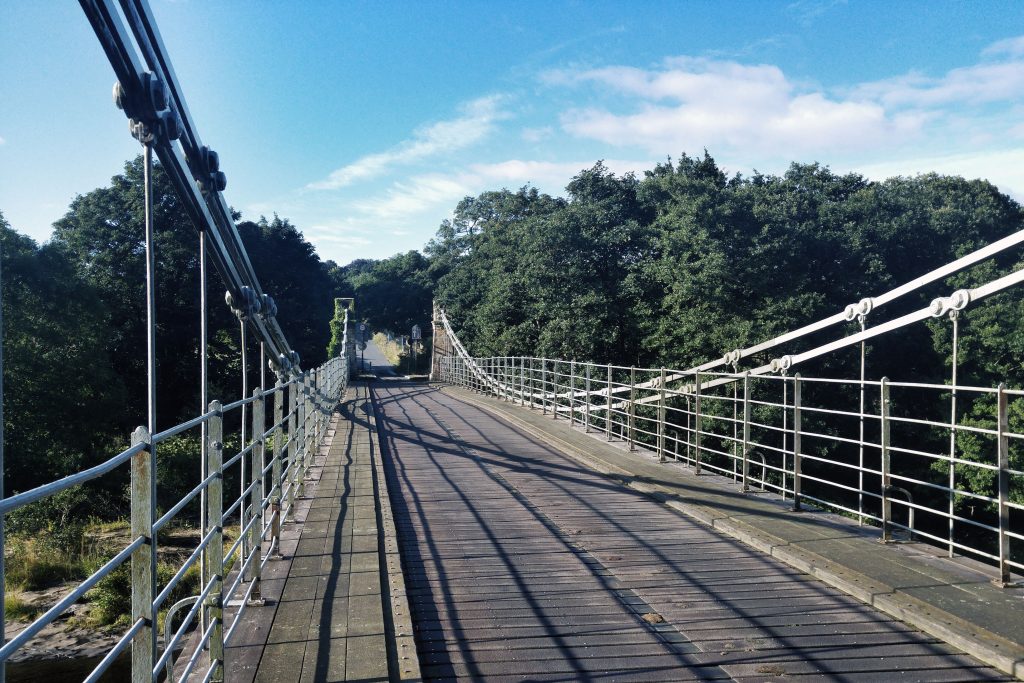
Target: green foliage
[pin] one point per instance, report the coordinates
(60, 385)
(112, 596)
(393, 294)
(74, 338)
(975, 446)
(337, 326)
(58, 513)
(103, 236)
(290, 271)
(686, 264)
(669, 269)
(19, 609)
(177, 468)
(35, 566)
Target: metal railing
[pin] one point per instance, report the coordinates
(270, 464)
(887, 453)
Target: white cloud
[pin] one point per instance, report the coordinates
(1003, 168)
(690, 103)
(407, 212)
(972, 85)
(548, 176)
(2, 140)
(343, 240)
(757, 111)
(476, 122)
(412, 197)
(1012, 47)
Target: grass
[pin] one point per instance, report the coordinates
(34, 565)
(16, 608)
(48, 559)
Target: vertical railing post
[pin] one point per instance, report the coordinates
(572, 392)
(860, 446)
(309, 416)
(785, 433)
(554, 389)
(632, 408)
(276, 483)
(258, 461)
(689, 431)
(318, 404)
(735, 426)
(696, 423)
(291, 468)
(143, 559)
(954, 317)
(886, 500)
(797, 426)
(586, 390)
(1004, 488)
(300, 435)
(746, 432)
(522, 380)
(544, 386)
(533, 382)
(215, 567)
(608, 407)
(513, 379)
(661, 417)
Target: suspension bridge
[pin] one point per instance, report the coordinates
(529, 519)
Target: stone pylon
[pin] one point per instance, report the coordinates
(440, 346)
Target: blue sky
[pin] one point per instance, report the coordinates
(365, 123)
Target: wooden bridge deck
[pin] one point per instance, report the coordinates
(522, 564)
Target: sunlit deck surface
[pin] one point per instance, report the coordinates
(522, 563)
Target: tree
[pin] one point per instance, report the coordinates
(61, 392)
(103, 234)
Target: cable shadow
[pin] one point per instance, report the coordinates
(818, 655)
(511, 568)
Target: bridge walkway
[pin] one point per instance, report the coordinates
(335, 606)
(522, 563)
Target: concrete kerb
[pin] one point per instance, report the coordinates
(991, 648)
(406, 665)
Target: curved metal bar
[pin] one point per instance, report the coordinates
(54, 487)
